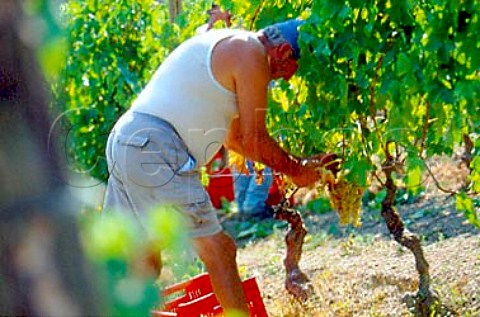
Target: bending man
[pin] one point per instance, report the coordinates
(211, 90)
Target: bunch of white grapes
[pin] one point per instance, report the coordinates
(346, 199)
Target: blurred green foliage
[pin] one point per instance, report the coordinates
(119, 248)
(45, 31)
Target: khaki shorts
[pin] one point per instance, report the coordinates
(149, 165)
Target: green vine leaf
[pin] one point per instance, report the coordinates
(465, 203)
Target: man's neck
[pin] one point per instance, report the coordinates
(267, 46)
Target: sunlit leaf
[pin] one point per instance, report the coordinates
(465, 203)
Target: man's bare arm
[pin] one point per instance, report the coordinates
(248, 134)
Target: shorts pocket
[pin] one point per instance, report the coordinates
(134, 140)
(200, 211)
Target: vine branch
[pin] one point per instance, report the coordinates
(437, 183)
(255, 14)
(425, 129)
(372, 93)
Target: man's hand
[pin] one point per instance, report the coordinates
(329, 161)
(313, 170)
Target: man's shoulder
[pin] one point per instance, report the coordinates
(245, 43)
(246, 38)
(214, 33)
(242, 56)
(249, 55)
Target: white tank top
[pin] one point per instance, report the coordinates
(184, 92)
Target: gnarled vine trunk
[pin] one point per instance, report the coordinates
(296, 282)
(424, 303)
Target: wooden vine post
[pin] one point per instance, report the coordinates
(174, 8)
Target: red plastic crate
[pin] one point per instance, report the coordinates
(195, 298)
(220, 186)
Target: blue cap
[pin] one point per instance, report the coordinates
(289, 31)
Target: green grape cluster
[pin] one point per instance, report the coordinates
(346, 199)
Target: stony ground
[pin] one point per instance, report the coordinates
(364, 272)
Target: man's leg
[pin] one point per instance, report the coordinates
(218, 253)
(151, 159)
